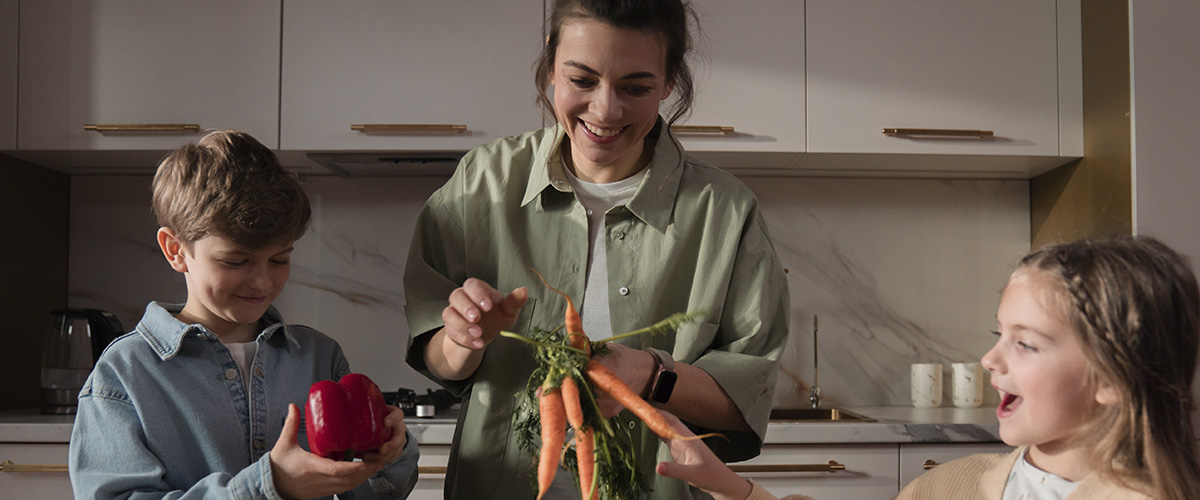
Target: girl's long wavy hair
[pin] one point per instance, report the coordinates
(672, 20)
(1133, 302)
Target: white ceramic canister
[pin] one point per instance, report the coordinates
(968, 384)
(926, 385)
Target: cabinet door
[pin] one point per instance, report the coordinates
(929, 64)
(37, 471)
(431, 470)
(870, 471)
(213, 64)
(915, 459)
(407, 63)
(749, 76)
(8, 74)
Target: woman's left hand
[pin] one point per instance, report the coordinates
(633, 366)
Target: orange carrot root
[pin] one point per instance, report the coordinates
(585, 452)
(573, 323)
(554, 429)
(610, 383)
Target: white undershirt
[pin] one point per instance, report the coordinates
(1027, 482)
(598, 199)
(243, 355)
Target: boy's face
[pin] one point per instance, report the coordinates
(230, 288)
(1040, 370)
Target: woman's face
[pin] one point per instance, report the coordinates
(608, 84)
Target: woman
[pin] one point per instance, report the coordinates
(606, 205)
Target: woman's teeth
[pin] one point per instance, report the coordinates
(600, 131)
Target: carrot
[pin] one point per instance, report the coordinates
(610, 383)
(585, 451)
(554, 429)
(573, 323)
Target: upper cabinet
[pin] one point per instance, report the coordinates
(750, 77)
(991, 78)
(8, 74)
(146, 74)
(385, 75)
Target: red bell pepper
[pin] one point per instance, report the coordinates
(345, 417)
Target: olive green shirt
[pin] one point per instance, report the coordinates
(690, 239)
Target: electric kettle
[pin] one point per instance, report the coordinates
(74, 341)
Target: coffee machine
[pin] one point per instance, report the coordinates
(74, 341)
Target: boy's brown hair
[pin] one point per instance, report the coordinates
(229, 184)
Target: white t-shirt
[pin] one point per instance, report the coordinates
(1027, 482)
(598, 199)
(243, 354)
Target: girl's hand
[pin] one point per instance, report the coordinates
(391, 450)
(478, 313)
(300, 474)
(633, 366)
(697, 465)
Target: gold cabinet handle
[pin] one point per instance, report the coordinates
(431, 469)
(944, 132)
(410, 127)
(142, 127)
(701, 129)
(929, 464)
(9, 466)
(830, 466)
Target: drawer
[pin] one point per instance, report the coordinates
(915, 459)
(870, 471)
(36, 471)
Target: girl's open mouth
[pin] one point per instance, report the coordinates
(1008, 404)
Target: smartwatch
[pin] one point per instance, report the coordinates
(664, 376)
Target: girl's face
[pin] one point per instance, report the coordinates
(229, 289)
(1040, 370)
(608, 84)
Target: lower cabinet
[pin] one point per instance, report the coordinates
(847, 472)
(34, 470)
(432, 472)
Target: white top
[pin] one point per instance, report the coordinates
(243, 355)
(1027, 482)
(598, 199)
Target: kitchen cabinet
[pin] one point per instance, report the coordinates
(916, 458)
(189, 65)
(1010, 68)
(8, 74)
(870, 470)
(431, 470)
(750, 77)
(407, 64)
(34, 470)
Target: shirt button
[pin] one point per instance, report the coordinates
(231, 374)
(259, 444)
(623, 290)
(258, 372)
(620, 235)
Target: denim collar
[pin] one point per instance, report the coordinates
(165, 333)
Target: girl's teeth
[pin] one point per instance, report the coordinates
(599, 131)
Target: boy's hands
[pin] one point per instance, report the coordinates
(391, 450)
(300, 474)
(697, 465)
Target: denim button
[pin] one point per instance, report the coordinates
(258, 372)
(231, 374)
(259, 444)
(623, 290)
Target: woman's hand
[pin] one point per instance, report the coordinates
(478, 313)
(634, 367)
(300, 474)
(697, 465)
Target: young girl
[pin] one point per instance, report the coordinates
(1094, 363)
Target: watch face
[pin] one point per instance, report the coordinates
(664, 386)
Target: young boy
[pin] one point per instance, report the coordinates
(201, 398)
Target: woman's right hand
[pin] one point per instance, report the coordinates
(478, 313)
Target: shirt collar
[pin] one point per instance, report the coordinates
(655, 198)
(165, 333)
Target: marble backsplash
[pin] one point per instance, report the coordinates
(897, 270)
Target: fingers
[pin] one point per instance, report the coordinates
(512, 304)
(291, 428)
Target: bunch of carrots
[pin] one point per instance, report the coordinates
(564, 387)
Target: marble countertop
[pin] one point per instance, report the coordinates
(892, 424)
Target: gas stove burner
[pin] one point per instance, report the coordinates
(421, 405)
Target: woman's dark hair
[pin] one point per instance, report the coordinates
(667, 18)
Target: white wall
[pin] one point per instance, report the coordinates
(1164, 40)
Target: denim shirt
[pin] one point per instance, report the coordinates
(165, 411)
